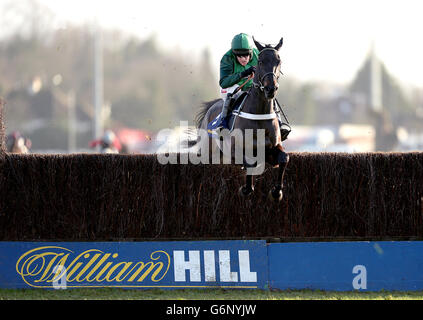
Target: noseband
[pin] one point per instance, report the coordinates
(259, 85)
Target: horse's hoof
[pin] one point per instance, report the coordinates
(275, 195)
(245, 192)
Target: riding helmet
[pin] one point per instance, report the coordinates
(242, 44)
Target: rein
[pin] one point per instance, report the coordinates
(243, 84)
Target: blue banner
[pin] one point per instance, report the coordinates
(197, 264)
(346, 266)
(339, 266)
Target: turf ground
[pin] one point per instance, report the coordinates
(209, 294)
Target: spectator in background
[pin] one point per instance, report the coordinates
(16, 143)
(109, 143)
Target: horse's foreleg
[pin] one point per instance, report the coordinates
(282, 160)
(248, 188)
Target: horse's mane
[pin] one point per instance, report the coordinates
(205, 106)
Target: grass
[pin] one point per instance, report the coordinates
(209, 294)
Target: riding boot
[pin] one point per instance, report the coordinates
(282, 127)
(227, 104)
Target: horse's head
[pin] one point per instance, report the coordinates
(268, 69)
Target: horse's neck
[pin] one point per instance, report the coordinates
(258, 104)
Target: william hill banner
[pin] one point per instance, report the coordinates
(199, 264)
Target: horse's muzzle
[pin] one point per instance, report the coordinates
(270, 92)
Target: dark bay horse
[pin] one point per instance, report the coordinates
(257, 114)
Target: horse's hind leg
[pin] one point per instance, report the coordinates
(282, 159)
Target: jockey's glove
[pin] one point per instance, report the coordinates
(248, 71)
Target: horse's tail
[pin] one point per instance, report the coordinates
(205, 106)
(191, 133)
(192, 143)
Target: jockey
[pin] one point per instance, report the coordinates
(235, 66)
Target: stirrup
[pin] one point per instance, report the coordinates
(223, 124)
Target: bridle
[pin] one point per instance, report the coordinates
(259, 85)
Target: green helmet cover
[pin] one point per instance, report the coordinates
(242, 44)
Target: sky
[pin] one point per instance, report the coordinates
(324, 40)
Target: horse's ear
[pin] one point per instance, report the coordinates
(258, 45)
(279, 45)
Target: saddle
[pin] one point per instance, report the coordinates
(235, 106)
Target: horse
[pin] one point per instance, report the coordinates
(257, 113)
